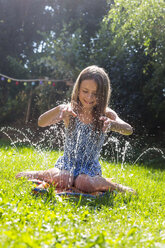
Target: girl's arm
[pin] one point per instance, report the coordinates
(52, 116)
(117, 124)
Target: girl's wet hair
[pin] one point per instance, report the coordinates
(103, 92)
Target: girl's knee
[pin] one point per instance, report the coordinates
(84, 183)
(64, 179)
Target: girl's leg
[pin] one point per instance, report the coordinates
(92, 184)
(59, 178)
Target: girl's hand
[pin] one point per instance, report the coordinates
(107, 122)
(66, 112)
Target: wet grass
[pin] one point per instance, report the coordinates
(120, 220)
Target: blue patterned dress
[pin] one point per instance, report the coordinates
(82, 149)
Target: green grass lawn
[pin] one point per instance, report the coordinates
(120, 220)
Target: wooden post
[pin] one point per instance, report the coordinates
(29, 106)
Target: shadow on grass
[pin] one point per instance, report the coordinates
(109, 199)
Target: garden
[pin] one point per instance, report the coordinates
(44, 45)
(48, 220)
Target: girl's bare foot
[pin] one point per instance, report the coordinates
(122, 188)
(119, 187)
(27, 174)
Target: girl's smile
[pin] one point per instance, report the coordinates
(87, 94)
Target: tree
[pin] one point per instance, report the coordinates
(43, 38)
(65, 50)
(19, 25)
(132, 40)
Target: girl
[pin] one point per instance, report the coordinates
(86, 118)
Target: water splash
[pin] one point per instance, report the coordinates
(150, 150)
(125, 148)
(117, 149)
(49, 139)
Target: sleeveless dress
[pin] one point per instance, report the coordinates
(81, 150)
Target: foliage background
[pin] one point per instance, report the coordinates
(58, 38)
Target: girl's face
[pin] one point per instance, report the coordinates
(87, 94)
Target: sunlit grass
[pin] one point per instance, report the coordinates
(118, 220)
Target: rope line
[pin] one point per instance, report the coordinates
(34, 80)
